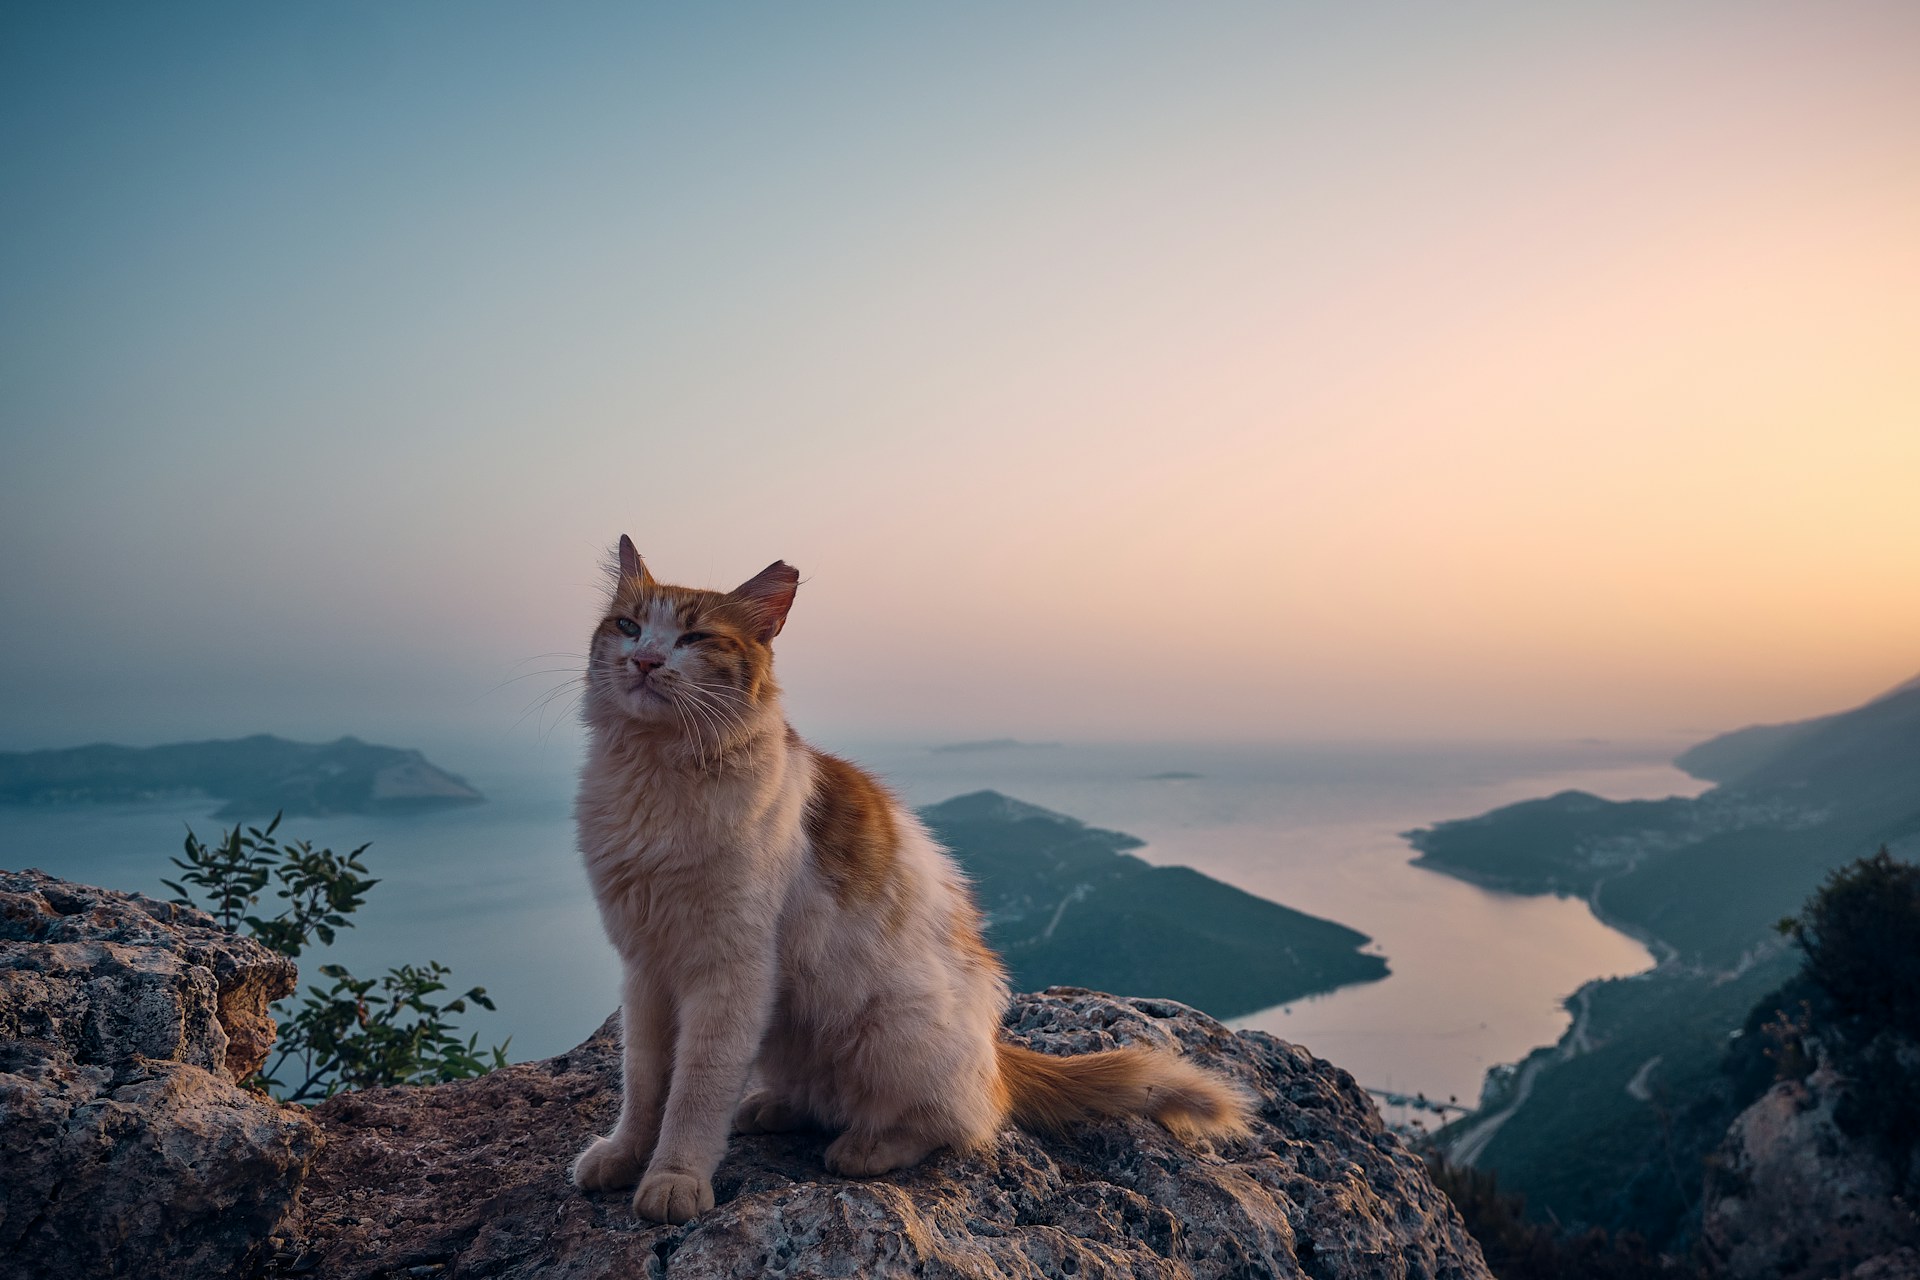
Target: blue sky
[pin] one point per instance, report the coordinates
(1111, 371)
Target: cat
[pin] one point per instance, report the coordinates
(779, 914)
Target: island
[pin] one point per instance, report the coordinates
(1067, 904)
(256, 777)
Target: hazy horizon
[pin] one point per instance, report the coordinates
(1110, 373)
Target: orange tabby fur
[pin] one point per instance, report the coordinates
(781, 917)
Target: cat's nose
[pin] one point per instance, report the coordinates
(646, 662)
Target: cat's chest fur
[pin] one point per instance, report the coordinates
(674, 851)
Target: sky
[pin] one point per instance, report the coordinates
(1110, 371)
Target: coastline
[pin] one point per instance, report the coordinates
(1463, 1140)
(1314, 830)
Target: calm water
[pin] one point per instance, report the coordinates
(497, 893)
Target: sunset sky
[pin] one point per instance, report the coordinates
(1110, 370)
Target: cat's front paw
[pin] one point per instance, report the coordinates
(605, 1164)
(669, 1196)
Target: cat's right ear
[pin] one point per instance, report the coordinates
(768, 594)
(632, 567)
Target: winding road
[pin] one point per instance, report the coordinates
(1466, 1146)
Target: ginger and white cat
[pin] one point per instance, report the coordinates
(780, 916)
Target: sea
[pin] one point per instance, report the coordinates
(1478, 977)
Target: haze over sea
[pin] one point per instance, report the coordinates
(496, 891)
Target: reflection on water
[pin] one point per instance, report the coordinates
(496, 891)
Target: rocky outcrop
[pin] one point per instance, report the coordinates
(470, 1177)
(1790, 1196)
(125, 1025)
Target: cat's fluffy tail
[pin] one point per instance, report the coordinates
(1050, 1092)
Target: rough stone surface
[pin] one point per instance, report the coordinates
(129, 1150)
(1901, 1264)
(124, 1024)
(1790, 1197)
(468, 1179)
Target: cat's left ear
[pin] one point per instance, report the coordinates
(768, 595)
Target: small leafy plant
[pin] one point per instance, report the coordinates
(1859, 937)
(358, 1032)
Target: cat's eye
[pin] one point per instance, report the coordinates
(691, 637)
(628, 627)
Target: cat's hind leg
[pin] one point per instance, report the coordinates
(910, 1085)
(858, 1154)
(767, 1111)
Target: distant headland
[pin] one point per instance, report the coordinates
(256, 777)
(1069, 904)
(988, 744)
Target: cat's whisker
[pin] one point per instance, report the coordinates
(723, 703)
(705, 696)
(728, 696)
(706, 719)
(556, 653)
(529, 675)
(545, 694)
(690, 730)
(547, 733)
(694, 734)
(722, 722)
(535, 712)
(541, 702)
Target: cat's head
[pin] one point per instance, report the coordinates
(684, 660)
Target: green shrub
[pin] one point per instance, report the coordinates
(1860, 933)
(358, 1032)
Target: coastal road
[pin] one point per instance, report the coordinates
(1466, 1148)
(1639, 1088)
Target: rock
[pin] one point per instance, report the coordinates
(469, 1178)
(1790, 1197)
(1901, 1264)
(125, 1024)
(130, 1150)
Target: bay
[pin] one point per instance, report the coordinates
(1478, 977)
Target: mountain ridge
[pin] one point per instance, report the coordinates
(1734, 755)
(256, 776)
(1707, 878)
